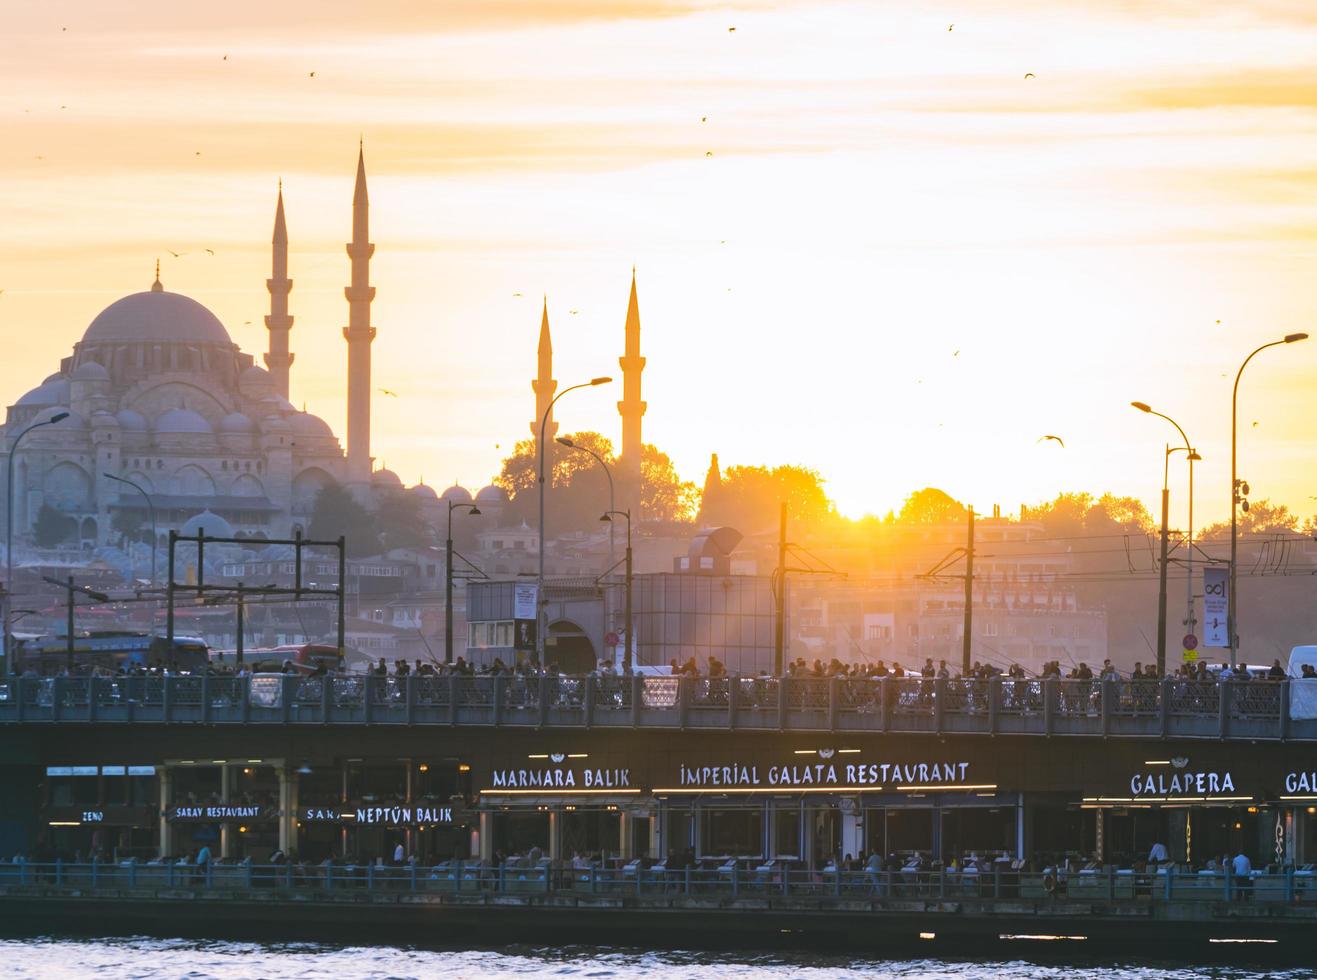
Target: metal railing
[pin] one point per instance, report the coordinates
(1168, 708)
(734, 879)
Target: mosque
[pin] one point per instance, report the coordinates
(157, 395)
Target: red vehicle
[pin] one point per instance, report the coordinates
(306, 658)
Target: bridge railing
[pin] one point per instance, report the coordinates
(733, 879)
(1169, 707)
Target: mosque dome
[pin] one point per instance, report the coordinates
(182, 420)
(456, 494)
(385, 478)
(53, 391)
(71, 421)
(214, 526)
(156, 316)
(306, 424)
(255, 375)
(236, 422)
(424, 491)
(90, 371)
(131, 421)
(492, 494)
(57, 376)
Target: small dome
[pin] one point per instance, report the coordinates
(57, 376)
(275, 423)
(456, 494)
(214, 526)
(492, 494)
(182, 420)
(131, 421)
(385, 478)
(424, 491)
(255, 375)
(51, 392)
(71, 421)
(156, 316)
(104, 420)
(90, 371)
(306, 424)
(236, 422)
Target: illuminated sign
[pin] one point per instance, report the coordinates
(220, 813)
(547, 777)
(402, 815)
(1301, 782)
(848, 774)
(1181, 783)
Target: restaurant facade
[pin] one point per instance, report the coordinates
(707, 797)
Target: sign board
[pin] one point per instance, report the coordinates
(524, 604)
(1190, 641)
(1216, 607)
(1190, 654)
(220, 813)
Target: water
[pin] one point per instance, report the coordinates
(141, 958)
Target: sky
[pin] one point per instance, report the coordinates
(896, 242)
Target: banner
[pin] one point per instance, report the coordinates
(1216, 606)
(525, 610)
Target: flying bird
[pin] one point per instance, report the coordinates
(950, 27)
(177, 255)
(225, 58)
(311, 75)
(1029, 74)
(708, 153)
(956, 354)
(209, 251)
(1218, 323)
(573, 312)
(516, 294)
(1057, 439)
(1255, 425)
(198, 153)
(246, 323)
(731, 30)
(386, 391)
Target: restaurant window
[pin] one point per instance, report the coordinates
(731, 833)
(786, 831)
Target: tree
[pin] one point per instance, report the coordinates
(52, 527)
(337, 512)
(129, 526)
(931, 506)
(664, 496)
(751, 496)
(1262, 517)
(399, 524)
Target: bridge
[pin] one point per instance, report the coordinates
(1166, 708)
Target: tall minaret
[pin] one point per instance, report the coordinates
(544, 386)
(631, 408)
(278, 360)
(359, 333)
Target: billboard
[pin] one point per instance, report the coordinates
(1216, 606)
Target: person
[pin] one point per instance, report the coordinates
(203, 861)
(399, 854)
(1158, 854)
(1241, 868)
(1277, 672)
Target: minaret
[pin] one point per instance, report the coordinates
(631, 408)
(544, 386)
(278, 360)
(359, 333)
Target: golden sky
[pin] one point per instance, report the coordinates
(884, 190)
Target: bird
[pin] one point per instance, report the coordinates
(950, 27)
(1218, 323)
(1058, 439)
(386, 391)
(209, 251)
(1255, 425)
(246, 323)
(731, 30)
(311, 75)
(516, 294)
(198, 153)
(177, 255)
(573, 312)
(225, 58)
(956, 354)
(704, 118)
(708, 153)
(1029, 74)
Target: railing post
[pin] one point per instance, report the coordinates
(587, 705)
(1049, 705)
(996, 879)
(452, 699)
(1164, 705)
(783, 683)
(22, 874)
(409, 696)
(285, 696)
(942, 882)
(56, 698)
(496, 705)
(542, 688)
(994, 702)
(786, 881)
(1108, 692)
(683, 700)
(288, 874)
(171, 874)
(1170, 881)
(733, 694)
(412, 868)
(1226, 693)
(736, 879)
(368, 693)
(210, 873)
(1111, 882)
(326, 698)
(836, 883)
(95, 862)
(637, 696)
(940, 700)
(688, 882)
(1289, 884)
(594, 879)
(1283, 714)
(329, 877)
(251, 870)
(834, 702)
(93, 683)
(1228, 883)
(205, 700)
(370, 876)
(22, 687)
(59, 871)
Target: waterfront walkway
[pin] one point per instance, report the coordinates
(1170, 707)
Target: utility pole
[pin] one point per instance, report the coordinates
(68, 628)
(630, 643)
(781, 596)
(1161, 591)
(238, 655)
(969, 599)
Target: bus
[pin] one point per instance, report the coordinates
(305, 658)
(108, 650)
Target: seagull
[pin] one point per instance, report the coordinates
(1057, 439)
(950, 27)
(1030, 74)
(246, 323)
(573, 312)
(177, 255)
(311, 75)
(209, 251)
(516, 294)
(1255, 425)
(704, 118)
(1218, 323)
(225, 58)
(198, 153)
(386, 391)
(731, 30)
(956, 354)
(708, 153)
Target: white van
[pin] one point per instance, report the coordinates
(1300, 656)
(1303, 693)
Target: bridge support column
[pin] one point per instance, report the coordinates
(485, 835)
(226, 832)
(555, 836)
(166, 785)
(852, 831)
(287, 808)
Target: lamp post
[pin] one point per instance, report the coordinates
(539, 576)
(630, 662)
(9, 523)
(612, 503)
(1166, 496)
(472, 509)
(1232, 607)
(150, 509)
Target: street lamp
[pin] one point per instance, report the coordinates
(1232, 607)
(474, 511)
(150, 508)
(630, 662)
(9, 522)
(539, 576)
(1166, 496)
(611, 502)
